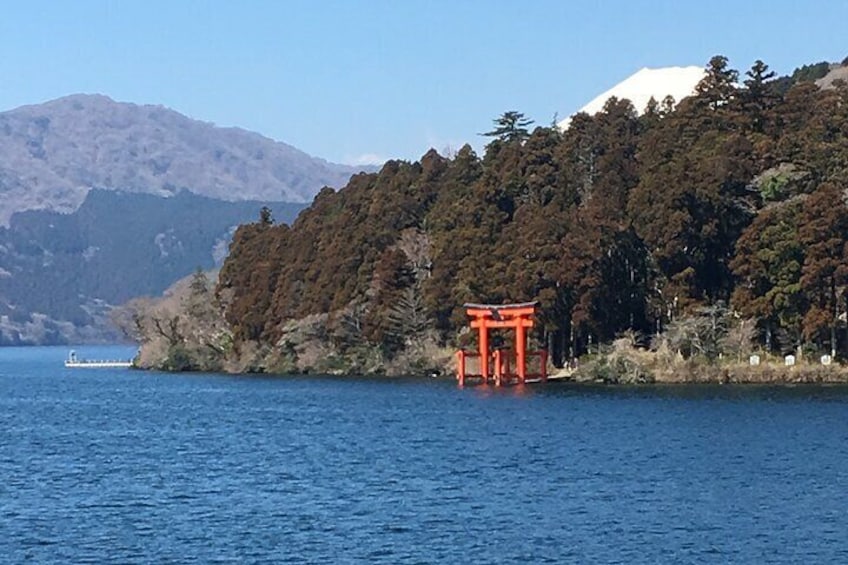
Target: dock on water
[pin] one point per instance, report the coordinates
(74, 362)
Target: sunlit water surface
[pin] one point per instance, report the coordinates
(134, 467)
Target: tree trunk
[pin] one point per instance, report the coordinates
(570, 340)
(555, 346)
(833, 340)
(835, 301)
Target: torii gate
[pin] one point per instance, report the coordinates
(498, 316)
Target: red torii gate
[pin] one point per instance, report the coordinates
(518, 317)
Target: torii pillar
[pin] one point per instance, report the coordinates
(497, 316)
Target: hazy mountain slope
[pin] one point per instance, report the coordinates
(51, 154)
(60, 272)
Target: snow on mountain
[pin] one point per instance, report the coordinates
(678, 82)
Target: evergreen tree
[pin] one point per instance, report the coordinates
(605, 260)
(510, 126)
(667, 105)
(689, 208)
(718, 87)
(824, 276)
(768, 262)
(758, 98)
(616, 223)
(265, 216)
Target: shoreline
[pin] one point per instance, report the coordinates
(693, 374)
(600, 372)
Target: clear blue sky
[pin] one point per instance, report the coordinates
(390, 78)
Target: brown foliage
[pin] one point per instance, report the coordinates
(617, 223)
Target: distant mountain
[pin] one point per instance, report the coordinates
(678, 82)
(60, 273)
(52, 154)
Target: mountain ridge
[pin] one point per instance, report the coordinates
(60, 274)
(53, 153)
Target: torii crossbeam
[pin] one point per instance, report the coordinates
(518, 317)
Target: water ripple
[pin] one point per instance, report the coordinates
(139, 467)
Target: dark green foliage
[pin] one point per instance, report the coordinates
(509, 127)
(116, 246)
(179, 359)
(265, 216)
(805, 73)
(621, 223)
(768, 262)
(758, 98)
(719, 86)
(810, 73)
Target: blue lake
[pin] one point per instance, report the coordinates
(135, 467)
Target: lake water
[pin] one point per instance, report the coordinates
(134, 467)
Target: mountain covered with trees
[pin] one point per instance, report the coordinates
(61, 273)
(709, 225)
(52, 154)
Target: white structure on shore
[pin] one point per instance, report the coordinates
(74, 362)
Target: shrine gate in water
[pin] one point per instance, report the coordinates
(503, 366)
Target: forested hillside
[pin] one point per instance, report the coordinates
(728, 206)
(60, 273)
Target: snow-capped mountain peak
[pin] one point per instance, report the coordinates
(678, 82)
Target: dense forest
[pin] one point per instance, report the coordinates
(716, 213)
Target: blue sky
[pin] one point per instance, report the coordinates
(344, 80)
